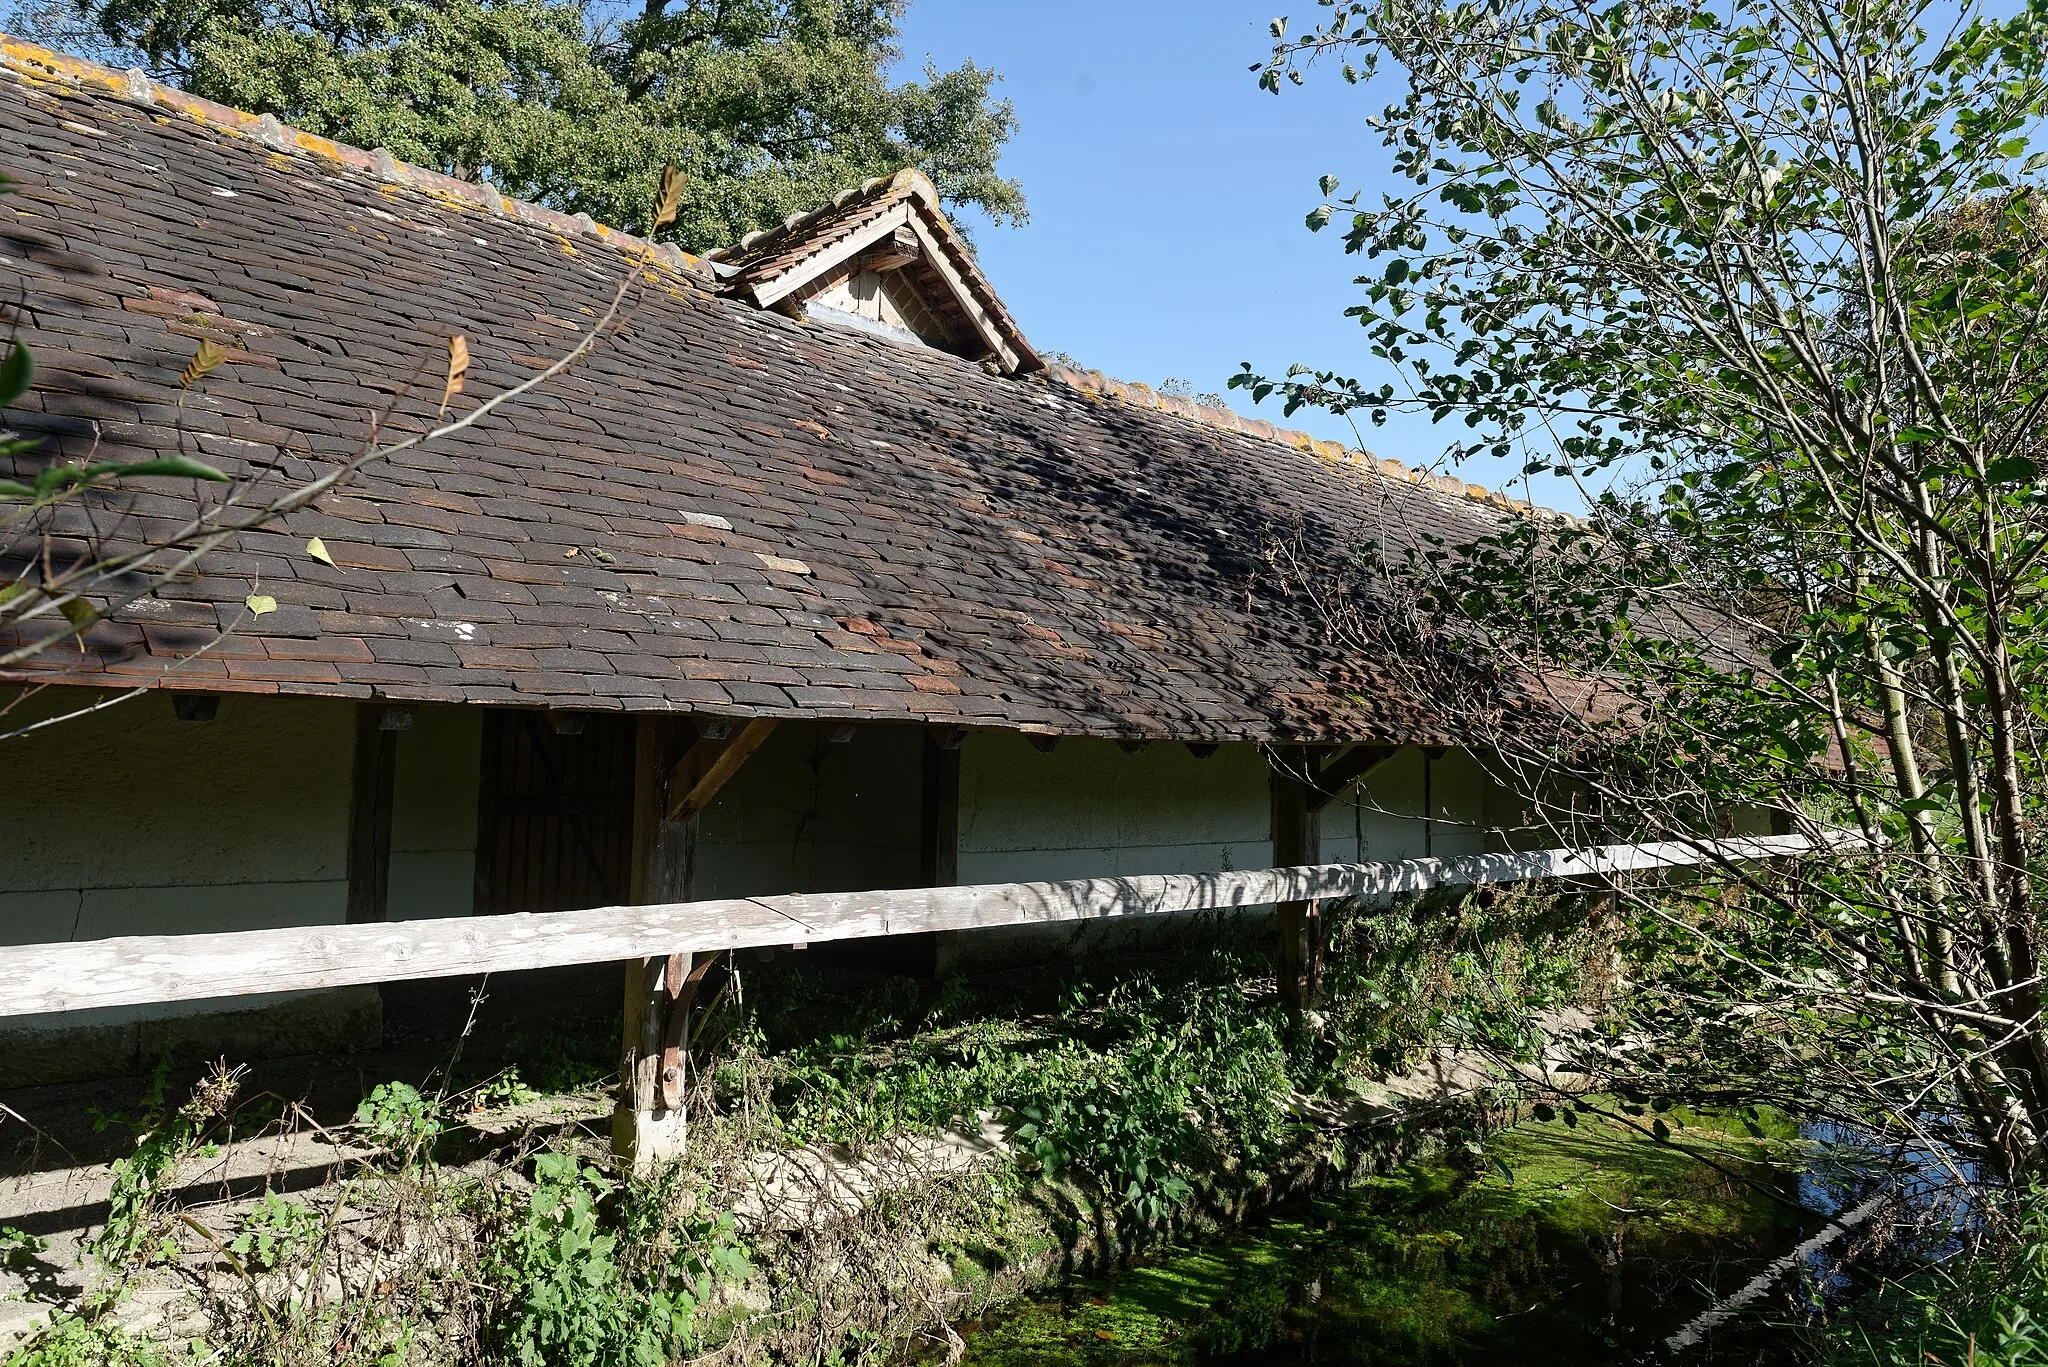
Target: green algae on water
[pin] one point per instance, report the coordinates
(1568, 1244)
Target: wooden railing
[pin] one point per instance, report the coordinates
(136, 970)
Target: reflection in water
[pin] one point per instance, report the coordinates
(1599, 1245)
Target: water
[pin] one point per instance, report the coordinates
(1562, 1245)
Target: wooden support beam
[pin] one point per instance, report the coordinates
(684, 974)
(706, 766)
(899, 249)
(645, 1131)
(372, 783)
(1041, 741)
(1202, 749)
(1133, 745)
(1297, 840)
(676, 775)
(939, 843)
(1337, 777)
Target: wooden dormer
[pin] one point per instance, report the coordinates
(884, 259)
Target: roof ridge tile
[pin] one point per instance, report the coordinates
(34, 62)
(1137, 392)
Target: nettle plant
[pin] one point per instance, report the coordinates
(1770, 274)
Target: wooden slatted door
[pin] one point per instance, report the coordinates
(555, 813)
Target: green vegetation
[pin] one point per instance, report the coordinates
(769, 107)
(1564, 1246)
(543, 1257)
(580, 1294)
(1989, 1310)
(1137, 1090)
(1764, 282)
(1176, 1069)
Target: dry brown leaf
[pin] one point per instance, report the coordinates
(458, 368)
(204, 362)
(671, 198)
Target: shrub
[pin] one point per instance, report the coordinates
(1990, 1311)
(584, 1291)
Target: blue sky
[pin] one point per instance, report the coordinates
(1167, 193)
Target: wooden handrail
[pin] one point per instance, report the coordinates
(135, 970)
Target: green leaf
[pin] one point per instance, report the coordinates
(260, 603)
(16, 372)
(162, 467)
(1318, 218)
(2011, 470)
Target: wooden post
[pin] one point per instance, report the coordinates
(371, 786)
(925, 955)
(678, 770)
(664, 869)
(1297, 839)
(939, 845)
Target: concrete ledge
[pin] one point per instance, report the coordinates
(339, 1020)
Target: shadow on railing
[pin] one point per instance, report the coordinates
(139, 970)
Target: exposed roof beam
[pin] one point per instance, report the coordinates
(811, 267)
(1332, 780)
(705, 767)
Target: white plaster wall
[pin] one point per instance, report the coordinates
(433, 814)
(1466, 812)
(128, 821)
(806, 814)
(1088, 809)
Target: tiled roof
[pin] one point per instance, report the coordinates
(724, 509)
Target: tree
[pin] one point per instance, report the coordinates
(1776, 272)
(770, 107)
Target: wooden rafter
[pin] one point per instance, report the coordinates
(1334, 778)
(708, 764)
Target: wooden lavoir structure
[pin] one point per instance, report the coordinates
(813, 579)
